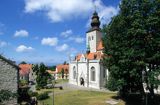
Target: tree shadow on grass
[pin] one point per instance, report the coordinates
(136, 99)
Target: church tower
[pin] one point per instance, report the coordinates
(94, 35)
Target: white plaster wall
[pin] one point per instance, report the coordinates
(71, 80)
(82, 72)
(93, 43)
(96, 83)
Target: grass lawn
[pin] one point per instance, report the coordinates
(79, 97)
(59, 81)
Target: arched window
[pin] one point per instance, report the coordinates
(74, 72)
(93, 74)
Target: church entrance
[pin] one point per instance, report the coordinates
(82, 81)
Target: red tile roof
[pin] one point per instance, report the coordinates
(100, 45)
(91, 56)
(95, 55)
(61, 66)
(25, 69)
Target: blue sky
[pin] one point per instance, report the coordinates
(48, 31)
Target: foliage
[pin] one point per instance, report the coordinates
(23, 62)
(132, 45)
(33, 94)
(23, 82)
(62, 73)
(53, 68)
(35, 68)
(42, 76)
(112, 84)
(23, 94)
(38, 87)
(43, 96)
(6, 95)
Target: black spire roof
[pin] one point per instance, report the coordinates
(95, 23)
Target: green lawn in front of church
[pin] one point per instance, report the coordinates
(80, 97)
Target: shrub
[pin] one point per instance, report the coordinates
(6, 95)
(23, 82)
(43, 96)
(33, 94)
(38, 87)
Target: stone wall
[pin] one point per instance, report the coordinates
(8, 78)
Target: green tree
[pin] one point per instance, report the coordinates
(42, 76)
(53, 68)
(23, 62)
(132, 45)
(35, 68)
(62, 73)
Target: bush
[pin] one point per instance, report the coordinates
(23, 82)
(38, 87)
(6, 95)
(43, 96)
(33, 94)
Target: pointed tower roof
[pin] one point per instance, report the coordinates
(95, 23)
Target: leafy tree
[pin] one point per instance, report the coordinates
(35, 68)
(23, 62)
(62, 73)
(42, 76)
(66, 72)
(132, 45)
(53, 68)
(65, 63)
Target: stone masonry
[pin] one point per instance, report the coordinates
(9, 78)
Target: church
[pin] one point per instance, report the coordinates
(87, 69)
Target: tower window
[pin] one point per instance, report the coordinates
(92, 37)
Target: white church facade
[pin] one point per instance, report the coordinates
(87, 69)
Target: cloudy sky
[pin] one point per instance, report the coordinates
(48, 31)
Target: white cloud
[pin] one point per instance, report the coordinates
(66, 33)
(49, 41)
(3, 43)
(23, 48)
(62, 47)
(21, 33)
(60, 10)
(77, 39)
(105, 13)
